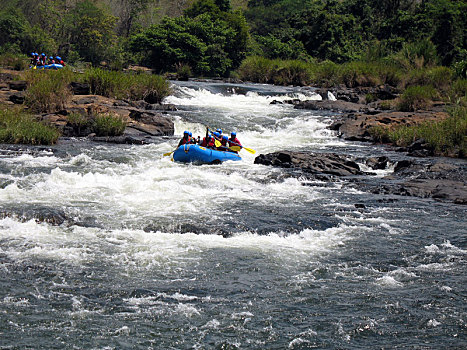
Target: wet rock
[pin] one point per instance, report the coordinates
(402, 165)
(151, 123)
(377, 163)
(294, 101)
(162, 107)
(39, 214)
(122, 140)
(420, 148)
(311, 163)
(438, 179)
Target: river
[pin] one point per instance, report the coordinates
(161, 255)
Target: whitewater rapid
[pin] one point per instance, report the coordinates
(153, 254)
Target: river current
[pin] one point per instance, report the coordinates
(163, 255)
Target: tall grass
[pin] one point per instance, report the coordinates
(326, 73)
(416, 97)
(48, 90)
(126, 86)
(16, 126)
(446, 137)
(107, 124)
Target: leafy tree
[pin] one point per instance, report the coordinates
(208, 42)
(91, 31)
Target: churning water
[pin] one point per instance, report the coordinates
(160, 255)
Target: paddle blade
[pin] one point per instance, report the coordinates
(168, 154)
(217, 143)
(252, 151)
(235, 148)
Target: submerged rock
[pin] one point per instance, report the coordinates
(51, 216)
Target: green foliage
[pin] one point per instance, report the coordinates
(107, 124)
(209, 43)
(126, 86)
(447, 137)
(343, 30)
(280, 72)
(183, 71)
(416, 97)
(283, 48)
(417, 54)
(91, 31)
(460, 65)
(16, 126)
(326, 73)
(48, 90)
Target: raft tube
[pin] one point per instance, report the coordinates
(48, 66)
(190, 153)
(53, 66)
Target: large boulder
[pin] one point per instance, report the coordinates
(312, 163)
(152, 123)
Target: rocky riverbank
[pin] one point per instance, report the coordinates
(144, 119)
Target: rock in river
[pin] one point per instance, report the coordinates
(312, 163)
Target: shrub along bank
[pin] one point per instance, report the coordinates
(17, 126)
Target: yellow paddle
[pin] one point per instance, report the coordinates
(238, 148)
(168, 154)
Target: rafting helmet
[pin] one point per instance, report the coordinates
(216, 134)
(225, 137)
(233, 133)
(51, 58)
(189, 133)
(219, 131)
(185, 132)
(42, 54)
(58, 58)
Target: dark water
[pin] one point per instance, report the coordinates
(153, 254)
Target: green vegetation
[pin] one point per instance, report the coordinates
(326, 73)
(17, 126)
(127, 86)
(212, 37)
(416, 97)
(48, 91)
(447, 137)
(107, 124)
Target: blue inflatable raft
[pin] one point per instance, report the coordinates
(48, 66)
(196, 154)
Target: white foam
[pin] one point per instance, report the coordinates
(433, 323)
(389, 281)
